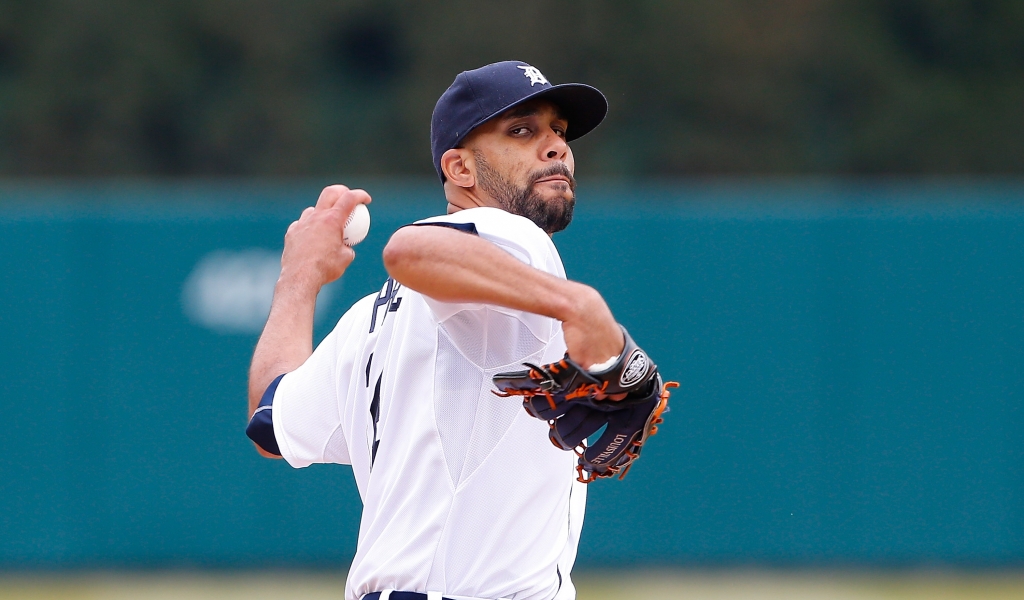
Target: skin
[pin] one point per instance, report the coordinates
(442, 263)
(524, 146)
(314, 255)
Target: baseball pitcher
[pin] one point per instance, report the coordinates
(421, 386)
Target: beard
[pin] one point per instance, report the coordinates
(550, 215)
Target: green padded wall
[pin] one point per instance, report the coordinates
(851, 360)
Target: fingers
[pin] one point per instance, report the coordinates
(332, 209)
(303, 219)
(333, 195)
(359, 196)
(348, 201)
(330, 196)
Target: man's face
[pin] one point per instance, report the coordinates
(524, 164)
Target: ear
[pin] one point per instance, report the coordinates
(458, 167)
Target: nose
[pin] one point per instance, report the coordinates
(554, 146)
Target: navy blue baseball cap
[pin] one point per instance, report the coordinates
(478, 95)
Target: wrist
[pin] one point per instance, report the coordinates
(580, 302)
(298, 285)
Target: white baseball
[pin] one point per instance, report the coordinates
(357, 225)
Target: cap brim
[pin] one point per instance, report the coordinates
(583, 106)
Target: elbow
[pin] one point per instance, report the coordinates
(261, 424)
(400, 252)
(255, 395)
(266, 454)
(261, 431)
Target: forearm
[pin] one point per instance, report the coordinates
(452, 266)
(287, 339)
(314, 255)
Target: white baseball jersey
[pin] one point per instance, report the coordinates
(462, 491)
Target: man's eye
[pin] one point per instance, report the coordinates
(520, 131)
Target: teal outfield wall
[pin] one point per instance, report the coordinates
(851, 360)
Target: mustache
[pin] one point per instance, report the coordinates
(555, 169)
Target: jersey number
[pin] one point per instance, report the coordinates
(388, 297)
(374, 409)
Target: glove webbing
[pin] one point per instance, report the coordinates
(632, 451)
(546, 382)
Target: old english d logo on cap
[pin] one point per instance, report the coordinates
(534, 74)
(481, 94)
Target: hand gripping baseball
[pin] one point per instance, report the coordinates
(628, 396)
(314, 250)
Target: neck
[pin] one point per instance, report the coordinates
(460, 198)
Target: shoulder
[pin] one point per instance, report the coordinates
(360, 308)
(351, 329)
(516, 234)
(488, 221)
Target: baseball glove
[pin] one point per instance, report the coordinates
(628, 399)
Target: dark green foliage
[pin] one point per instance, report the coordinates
(317, 87)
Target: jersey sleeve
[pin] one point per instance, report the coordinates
(308, 405)
(514, 234)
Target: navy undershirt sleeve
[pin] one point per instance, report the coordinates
(261, 425)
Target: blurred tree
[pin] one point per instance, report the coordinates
(314, 87)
